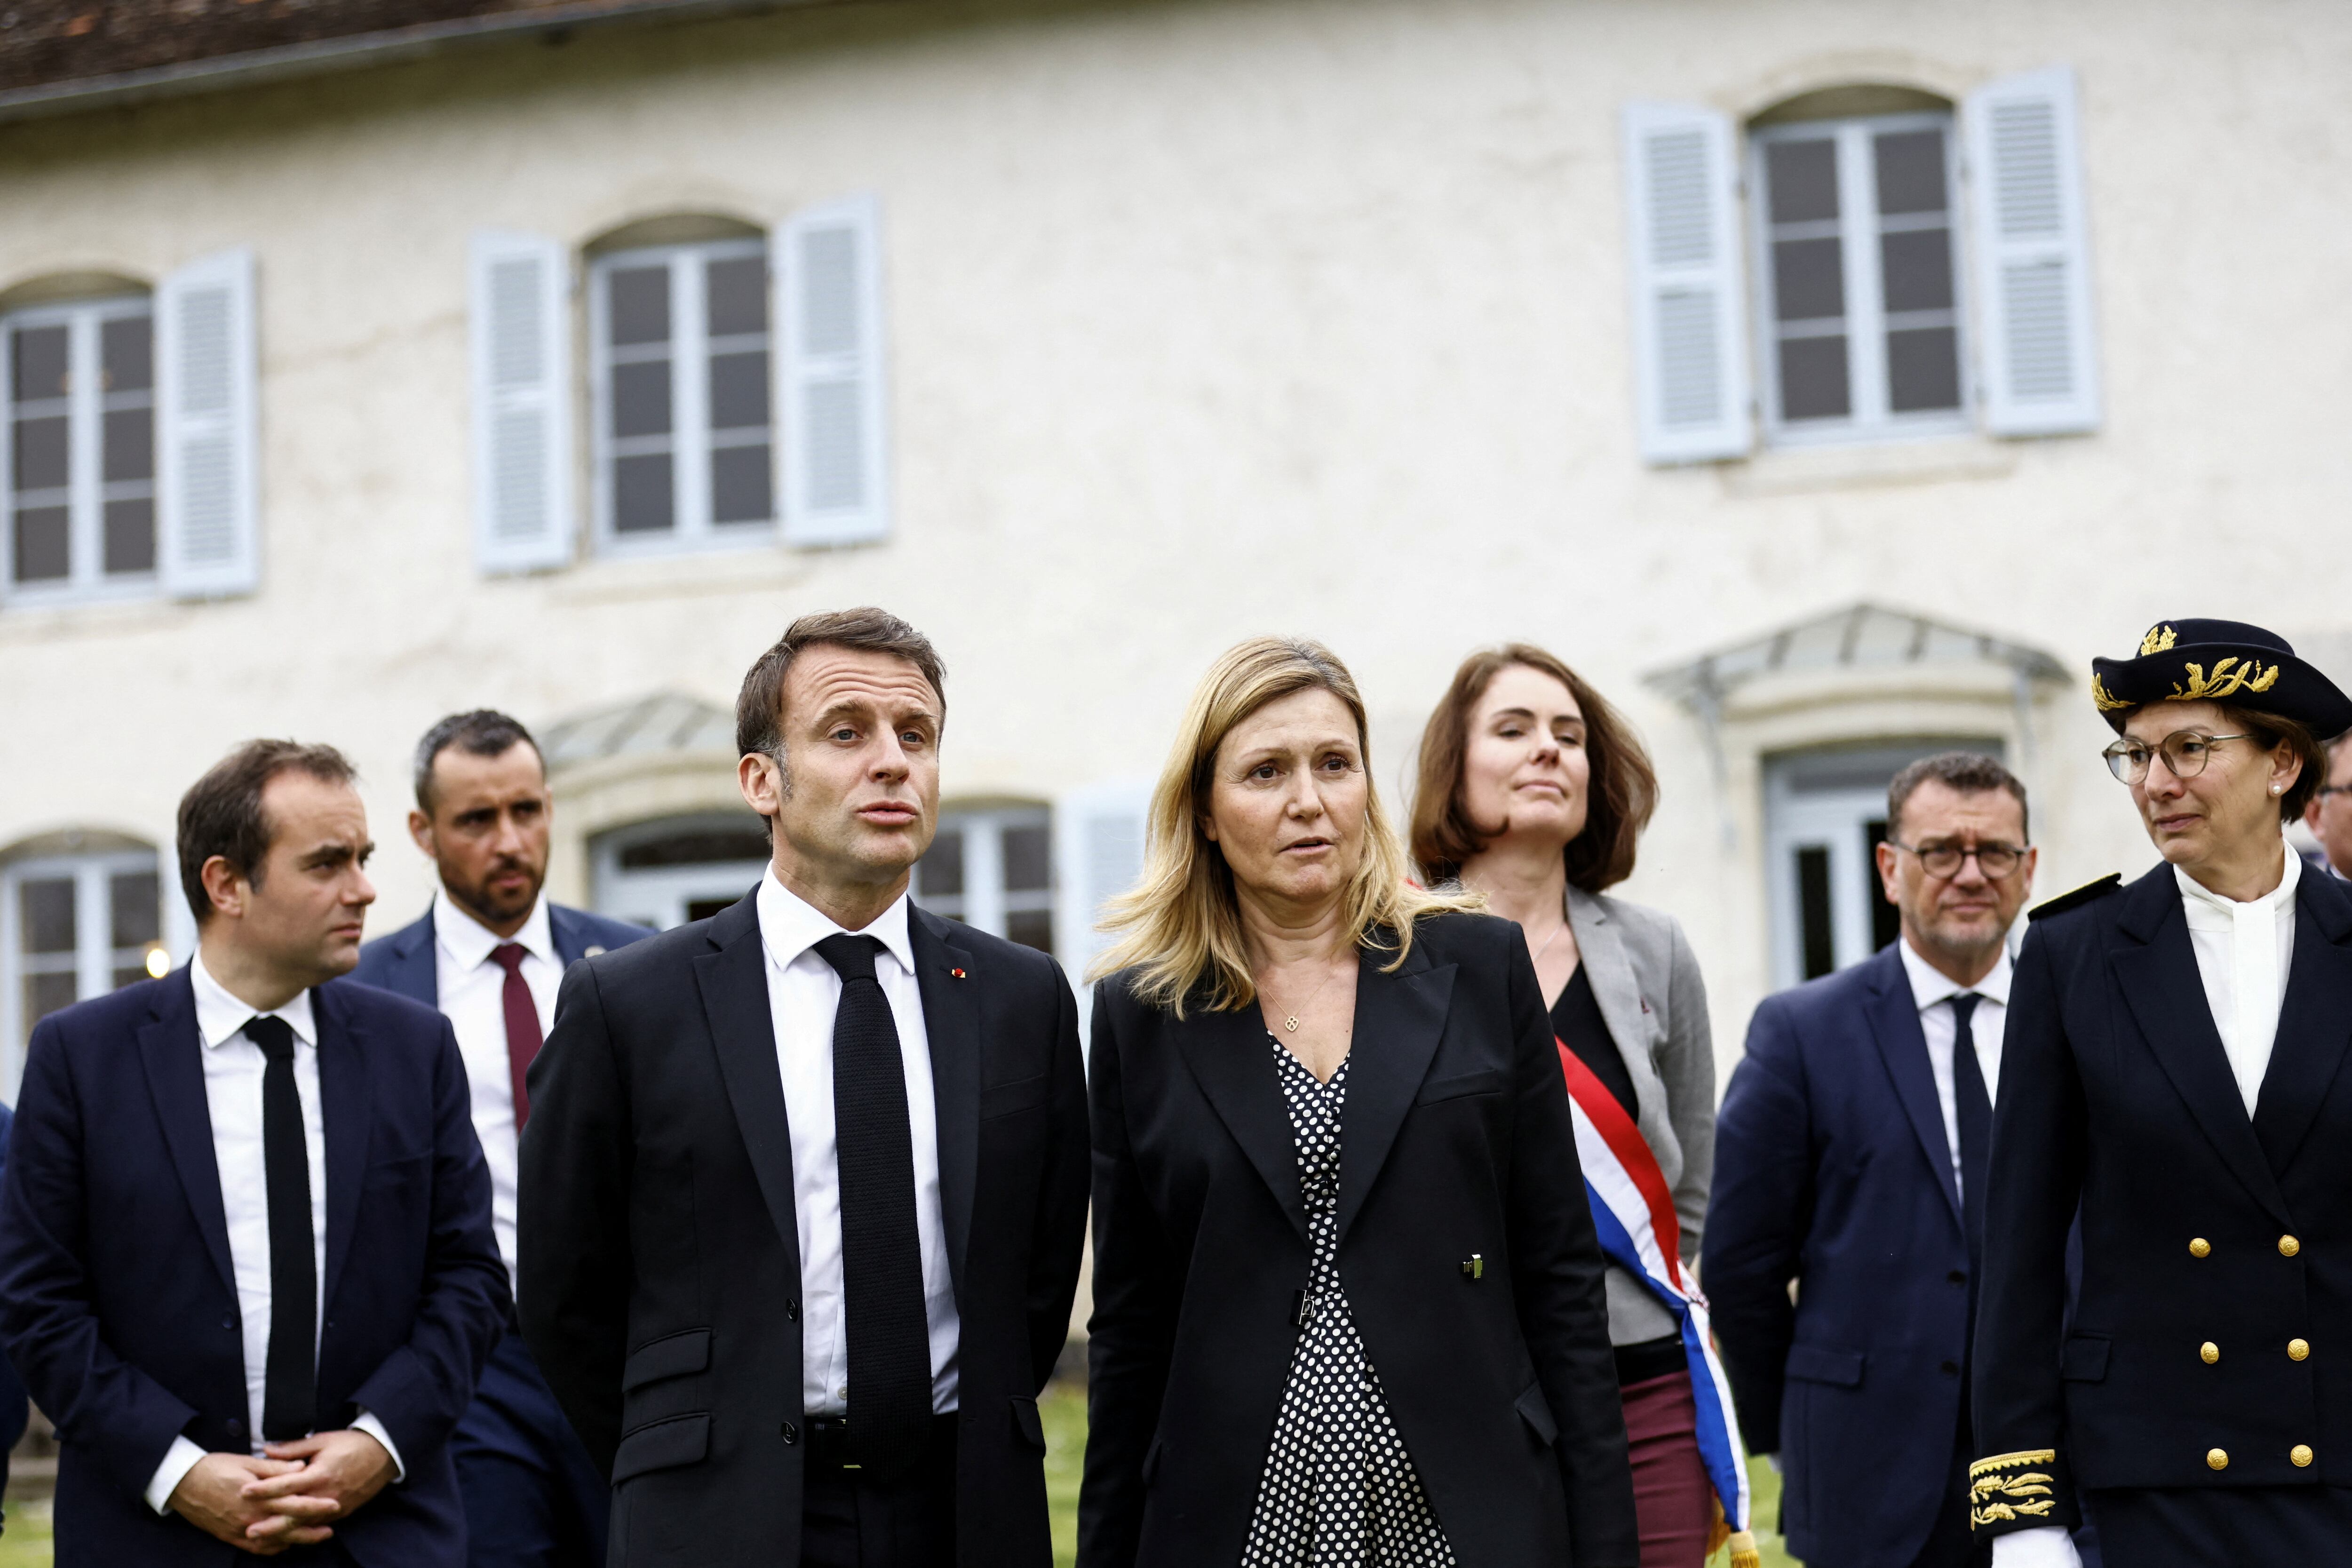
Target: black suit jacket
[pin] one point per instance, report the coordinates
(660, 1272)
(117, 1297)
(2115, 1092)
(1456, 1141)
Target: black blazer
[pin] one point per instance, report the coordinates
(660, 1269)
(1457, 1141)
(120, 1307)
(2116, 1093)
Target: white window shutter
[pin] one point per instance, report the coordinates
(206, 441)
(827, 265)
(1099, 836)
(1690, 356)
(2034, 274)
(520, 340)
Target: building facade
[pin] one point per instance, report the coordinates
(1826, 382)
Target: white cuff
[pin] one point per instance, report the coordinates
(374, 1428)
(176, 1464)
(2044, 1546)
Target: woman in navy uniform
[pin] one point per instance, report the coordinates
(2174, 1067)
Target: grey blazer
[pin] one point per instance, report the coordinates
(1647, 982)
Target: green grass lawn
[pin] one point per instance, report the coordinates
(26, 1544)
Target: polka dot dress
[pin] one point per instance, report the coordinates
(1340, 1490)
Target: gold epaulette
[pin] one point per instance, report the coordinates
(2008, 1486)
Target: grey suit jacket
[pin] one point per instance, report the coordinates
(1652, 996)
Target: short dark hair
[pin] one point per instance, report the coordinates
(484, 732)
(760, 706)
(1965, 772)
(221, 814)
(1622, 794)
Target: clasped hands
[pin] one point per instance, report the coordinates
(289, 1496)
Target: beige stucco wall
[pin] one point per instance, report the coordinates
(1206, 319)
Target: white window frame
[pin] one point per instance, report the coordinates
(94, 959)
(986, 901)
(86, 402)
(662, 893)
(691, 442)
(1866, 323)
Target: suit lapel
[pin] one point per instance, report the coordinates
(952, 1020)
(2314, 1023)
(2157, 968)
(1619, 992)
(1903, 1047)
(1228, 1055)
(173, 1051)
(346, 1109)
(1399, 1020)
(732, 980)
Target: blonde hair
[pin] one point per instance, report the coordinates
(1181, 922)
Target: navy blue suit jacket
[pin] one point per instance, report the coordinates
(408, 960)
(117, 1297)
(1832, 1168)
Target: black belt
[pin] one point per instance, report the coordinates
(828, 1439)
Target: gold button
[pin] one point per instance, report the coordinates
(2298, 1350)
(2199, 1246)
(2215, 1459)
(2301, 1455)
(2209, 1353)
(2289, 1247)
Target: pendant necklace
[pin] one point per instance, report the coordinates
(1547, 942)
(1290, 1020)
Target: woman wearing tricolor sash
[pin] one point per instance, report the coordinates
(1534, 791)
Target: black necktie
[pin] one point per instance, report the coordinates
(1976, 1125)
(290, 1397)
(881, 1252)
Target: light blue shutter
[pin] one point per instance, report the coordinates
(206, 443)
(826, 262)
(520, 344)
(2040, 347)
(1098, 839)
(1690, 357)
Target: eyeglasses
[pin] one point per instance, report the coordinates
(1942, 861)
(2185, 753)
(2326, 790)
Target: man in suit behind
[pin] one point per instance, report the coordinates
(245, 1260)
(1850, 1160)
(804, 1186)
(489, 953)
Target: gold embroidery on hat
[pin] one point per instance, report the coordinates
(2099, 695)
(2159, 639)
(1995, 1498)
(2249, 676)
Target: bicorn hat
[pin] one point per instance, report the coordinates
(2220, 661)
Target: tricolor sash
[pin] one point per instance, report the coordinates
(1634, 1215)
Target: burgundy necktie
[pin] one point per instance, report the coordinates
(522, 1023)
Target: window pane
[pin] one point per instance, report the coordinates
(1919, 270)
(942, 869)
(126, 349)
(1923, 369)
(40, 552)
(699, 847)
(641, 494)
(1804, 177)
(1816, 939)
(1813, 379)
(1910, 171)
(40, 363)
(641, 399)
(45, 912)
(1807, 279)
(1028, 858)
(1031, 928)
(46, 994)
(41, 454)
(738, 292)
(130, 976)
(741, 487)
(638, 298)
(134, 917)
(130, 536)
(739, 391)
(130, 444)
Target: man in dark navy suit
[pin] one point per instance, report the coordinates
(1850, 1161)
(489, 954)
(15, 1409)
(246, 1259)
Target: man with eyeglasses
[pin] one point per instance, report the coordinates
(1851, 1157)
(2329, 814)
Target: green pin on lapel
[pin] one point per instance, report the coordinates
(1475, 1267)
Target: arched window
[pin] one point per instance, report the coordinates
(993, 866)
(674, 869)
(80, 914)
(81, 450)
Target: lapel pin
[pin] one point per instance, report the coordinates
(592, 951)
(1475, 1267)
(957, 973)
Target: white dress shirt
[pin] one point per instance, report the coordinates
(1932, 992)
(232, 1069)
(2243, 954)
(474, 999)
(803, 993)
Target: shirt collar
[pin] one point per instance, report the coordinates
(2196, 893)
(790, 925)
(471, 942)
(220, 1015)
(1931, 985)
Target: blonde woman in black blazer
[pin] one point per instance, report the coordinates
(1348, 1303)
